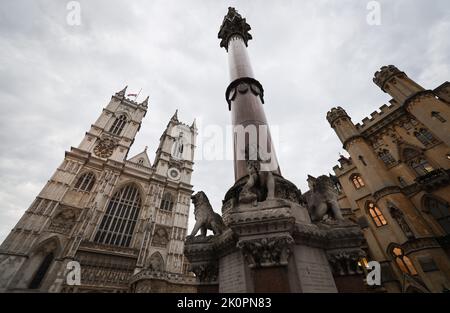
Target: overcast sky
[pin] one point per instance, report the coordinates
(309, 56)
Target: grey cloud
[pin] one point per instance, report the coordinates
(309, 56)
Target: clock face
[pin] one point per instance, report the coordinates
(105, 148)
(174, 173)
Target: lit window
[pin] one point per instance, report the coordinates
(377, 216)
(120, 219)
(404, 263)
(357, 181)
(425, 137)
(417, 162)
(117, 126)
(85, 182)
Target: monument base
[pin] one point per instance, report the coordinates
(272, 246)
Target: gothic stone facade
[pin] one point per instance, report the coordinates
(396, 182)
(123, 219)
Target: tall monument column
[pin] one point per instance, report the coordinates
(245, 97)
(266, 240)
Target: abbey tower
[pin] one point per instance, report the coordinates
(123, 219)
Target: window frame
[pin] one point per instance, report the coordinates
(376, 215)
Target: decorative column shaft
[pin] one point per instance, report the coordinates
(245, 97)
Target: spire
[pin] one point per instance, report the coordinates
(175, 116)
(122, 92)
(233, 24)
(194, 124)
(145, 102)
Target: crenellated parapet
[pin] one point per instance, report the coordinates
(344, 167)
(385, 74)
(336, 113)
(390, 112)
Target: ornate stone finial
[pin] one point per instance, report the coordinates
(175, 116)
(122, 92)
(233, 24)
(336, 113)
(384, 74)
(194, 124)
(145, 102)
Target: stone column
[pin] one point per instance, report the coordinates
(245, 97)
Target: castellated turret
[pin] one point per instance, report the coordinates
(342, 124)
(396, 83)
(423, 104)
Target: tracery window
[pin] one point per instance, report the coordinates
(417, 162)
(85, 182)
(178, 147)
(386, 157)
(120, 219)
(376, 215)
(357, 181)
(404, 263)
(167, 202)
(118, 125)
(425, 137)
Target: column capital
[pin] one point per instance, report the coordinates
(233, 24)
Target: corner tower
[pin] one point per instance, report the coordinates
(424, 105)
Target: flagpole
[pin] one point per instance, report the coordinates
(138, 94)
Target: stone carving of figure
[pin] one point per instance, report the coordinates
(400, 218)
(323, 202)
(205, 217)
(258, 183)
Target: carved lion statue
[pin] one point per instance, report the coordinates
(205, 217)
(323, 201)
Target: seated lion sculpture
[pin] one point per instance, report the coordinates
(205, 217)
(323, 202)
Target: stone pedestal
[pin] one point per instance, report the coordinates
(272, 246)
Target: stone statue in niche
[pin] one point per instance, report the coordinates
(63, 221)
(322, 203)
(205, 217)
(160, 237)
(260, 185)
(156, 262)
(400, 219)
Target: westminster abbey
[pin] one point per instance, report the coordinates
(124, 220)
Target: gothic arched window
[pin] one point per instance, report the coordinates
(357, 181)
(417, 161)
(404, 263)
(118, 125)
(167, 202)
(85, 182)
(376, 215)
(178, 147)
(440, 210)
(120, 219)
(386, 157)
(425, 137)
